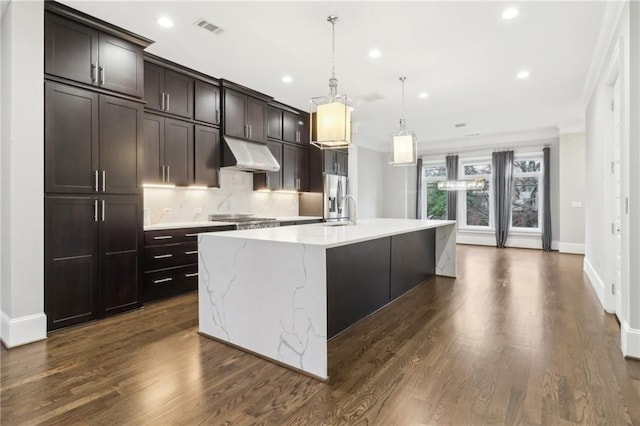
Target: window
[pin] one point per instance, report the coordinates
(435, 207)
(525, 197)
(477, 206)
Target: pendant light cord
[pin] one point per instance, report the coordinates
(402, 118)
(333, 81)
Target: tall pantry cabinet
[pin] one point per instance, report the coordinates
(93, 161)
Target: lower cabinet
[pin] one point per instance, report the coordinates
(171, 260)
(93, 248)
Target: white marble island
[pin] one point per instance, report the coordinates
(282, 292)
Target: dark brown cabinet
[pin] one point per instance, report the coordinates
(274, 123)
(92, 252)
(168, 91)
(83, 54)
(91, 141)
(295, 168)
(244, 116)
(207, 103)
(271, 180)
(295, 128)
(207, 156)
(335, 162)
(168, 147)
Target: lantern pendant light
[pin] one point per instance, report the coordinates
(403, 144)
(331, 116)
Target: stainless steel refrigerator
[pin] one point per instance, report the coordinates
(335, 188)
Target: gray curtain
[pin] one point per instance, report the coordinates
(546, 204)
(502, 181)
(452, 196)
(419, 200)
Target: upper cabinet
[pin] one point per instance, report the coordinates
(168, 91)
(91, 141)
(274, 123)
(244, 116)
(207, 100)
(335, 162)
(86, 55)
(295, 128)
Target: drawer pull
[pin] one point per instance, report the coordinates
(190, 235)
(191, 252)
(162, 256)
(163, 280)
(163, 237)
(195, 274)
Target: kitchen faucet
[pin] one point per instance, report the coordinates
(351, 219)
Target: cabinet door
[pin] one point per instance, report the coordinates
(289, 127)
(178, 151)
(274, 179)
(178, 89)
(329, 161)
(153, 86)
(235, 106)
(302, 127)
(120, 249)
(71, 139)
(302, 169)
(121, 125)
(342, 163)
(71, 260)
(71, 50)
(288, 167)
(274, 123)
(207, 156)
(152, 171)
(121, 67)
(207, 100)
(257, 120)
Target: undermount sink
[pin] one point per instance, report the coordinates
(344, 223)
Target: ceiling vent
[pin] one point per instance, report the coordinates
(204, 24)
(460, 125)
(370, 97)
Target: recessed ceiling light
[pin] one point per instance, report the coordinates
(523, 74)
(375, 53)
(510, 13)
(287, 79)
(423, 95)
(165, 22)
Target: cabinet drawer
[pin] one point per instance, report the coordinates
(182, 235)
(167, 256)
(169, 282)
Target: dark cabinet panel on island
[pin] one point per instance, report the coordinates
(412, 260)
(80, 53)
(91, 141)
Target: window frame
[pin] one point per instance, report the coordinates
(540, 175)
(426, 180)
(462, 197)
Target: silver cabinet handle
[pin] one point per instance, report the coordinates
(168, 174)
(162, 101)
(191, 252)
(250, 131)
(163, 237)
(297, 135)
(101, 74)
(246, 131)
(103, 210)
(163, 280)
(95, 178)
(95, 210)
(167, 103)
(163, 172)
(195, 274)
(104, 181)
(217, 115)
(94, 73)
(190, 235)
(163, 256)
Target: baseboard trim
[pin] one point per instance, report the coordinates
(22, 330)
(571, 248)
(596, 282)
(629, 341)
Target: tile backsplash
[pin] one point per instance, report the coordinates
(235, 195)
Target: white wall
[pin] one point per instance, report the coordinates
(22, 157)
(572, 193)
(399, 189)
(370, 177)
(235, 195)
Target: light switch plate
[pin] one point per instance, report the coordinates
(576, 204)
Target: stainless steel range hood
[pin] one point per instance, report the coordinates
(248, 156)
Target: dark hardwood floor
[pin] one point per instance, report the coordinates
(517, 338)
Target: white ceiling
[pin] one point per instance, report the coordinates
(462, 53)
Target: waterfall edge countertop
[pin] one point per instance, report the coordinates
(203, 224)
(328, 235)
(282, 293)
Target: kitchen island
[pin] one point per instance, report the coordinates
(281, 293)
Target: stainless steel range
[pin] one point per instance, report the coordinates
(246, 222)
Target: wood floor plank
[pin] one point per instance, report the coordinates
(518, 338)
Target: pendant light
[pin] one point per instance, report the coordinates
(331, 116)
(403, 149)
